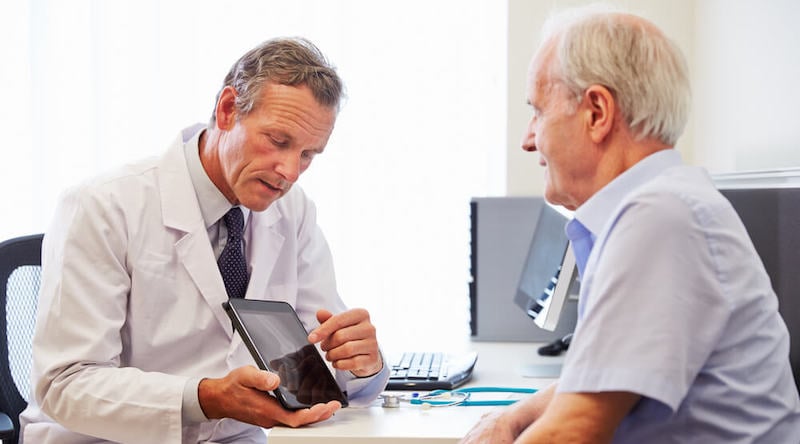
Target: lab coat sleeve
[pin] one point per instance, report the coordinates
(362, 391)
(78, 343)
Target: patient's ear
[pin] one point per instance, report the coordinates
(601, 108)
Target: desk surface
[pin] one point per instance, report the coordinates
(499, 364)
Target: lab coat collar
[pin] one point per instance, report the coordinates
(181, 211)
(179, 206)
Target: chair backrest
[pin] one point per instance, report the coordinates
(772, 219)
(20, 273)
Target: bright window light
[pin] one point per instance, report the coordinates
(89, 85)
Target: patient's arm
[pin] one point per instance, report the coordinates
(580, 418)
(506, 425)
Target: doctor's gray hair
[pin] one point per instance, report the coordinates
(644, 70)
(285, 61)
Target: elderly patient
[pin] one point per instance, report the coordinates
(678, 339)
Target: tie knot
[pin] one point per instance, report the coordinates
(234, 221)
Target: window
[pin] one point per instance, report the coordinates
(96, 84)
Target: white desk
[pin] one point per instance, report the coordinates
(499, 364)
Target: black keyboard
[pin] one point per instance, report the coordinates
(430, 370)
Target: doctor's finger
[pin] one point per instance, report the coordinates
(364, 331)
(363, 348)
(323, 315)
(360, 365)
(338, 322)
(316, 413)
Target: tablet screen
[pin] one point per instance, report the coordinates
(279, 343)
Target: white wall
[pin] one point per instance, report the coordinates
(89, 85)
(747, 84)
(745, 70)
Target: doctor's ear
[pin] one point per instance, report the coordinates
(601, 107)
(225, 112)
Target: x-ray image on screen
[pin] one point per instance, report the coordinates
(549, 271)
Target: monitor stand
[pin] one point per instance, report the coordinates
(540, 370)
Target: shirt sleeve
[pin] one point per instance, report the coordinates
(653, 310)
(191, 412)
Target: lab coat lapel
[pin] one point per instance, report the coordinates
(264, 251)
(182, 212)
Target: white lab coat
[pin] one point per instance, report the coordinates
(131, 305)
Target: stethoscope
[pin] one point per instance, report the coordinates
(447, 398)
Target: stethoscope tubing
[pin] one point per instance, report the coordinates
(443, 398)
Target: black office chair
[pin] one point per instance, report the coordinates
(20, 273)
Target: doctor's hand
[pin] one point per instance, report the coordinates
(242, 395)
(349, 341)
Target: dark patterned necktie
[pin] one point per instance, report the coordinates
(232, 264)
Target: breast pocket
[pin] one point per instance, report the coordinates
(154, 276)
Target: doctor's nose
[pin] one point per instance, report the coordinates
(289, 167)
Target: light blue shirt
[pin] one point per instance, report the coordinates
(675, 305)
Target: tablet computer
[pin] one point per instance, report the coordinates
(279, 343)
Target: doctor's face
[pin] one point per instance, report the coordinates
(263, 153)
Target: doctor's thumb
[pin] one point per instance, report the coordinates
(250, 376)
(268, 381)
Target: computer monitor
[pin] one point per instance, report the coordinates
(548, 278)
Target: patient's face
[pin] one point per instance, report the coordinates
(556, 131)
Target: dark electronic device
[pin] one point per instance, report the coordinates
(430, 370)
(549, 273)
(279, 343)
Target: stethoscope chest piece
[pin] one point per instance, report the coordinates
(390, 401)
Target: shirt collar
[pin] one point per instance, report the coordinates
(213, 204)
(595, 212)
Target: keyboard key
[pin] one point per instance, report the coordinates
(430, 370)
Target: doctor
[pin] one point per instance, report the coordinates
(131, 342)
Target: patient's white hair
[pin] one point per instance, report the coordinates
(644, 70)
